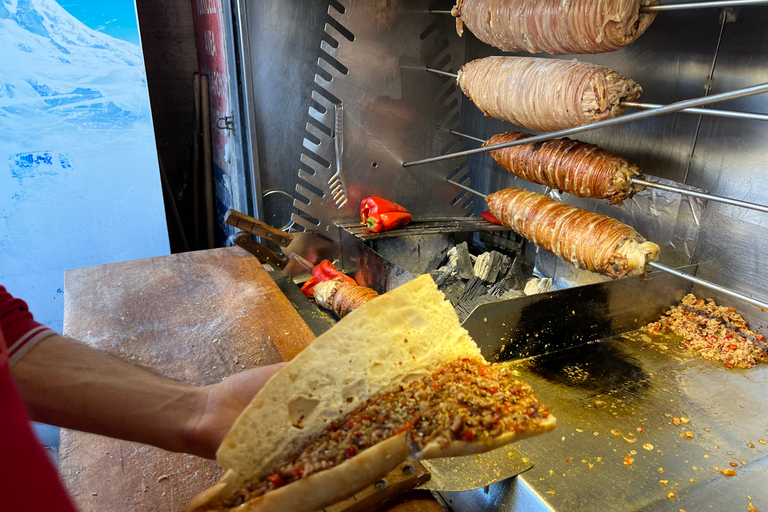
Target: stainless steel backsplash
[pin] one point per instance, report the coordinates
(303, 56)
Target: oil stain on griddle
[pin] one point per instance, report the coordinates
(601, 368)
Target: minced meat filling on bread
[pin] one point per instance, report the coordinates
(396, 379)
(464, 400)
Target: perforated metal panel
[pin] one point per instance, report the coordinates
(370, 57)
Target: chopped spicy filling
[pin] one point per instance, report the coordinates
(714, 332)
(465, 400)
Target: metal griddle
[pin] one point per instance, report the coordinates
(621, 384)
(582, 351)
(614, 382)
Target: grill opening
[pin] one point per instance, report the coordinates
(470, 268)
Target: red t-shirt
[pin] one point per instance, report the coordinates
(28, 480)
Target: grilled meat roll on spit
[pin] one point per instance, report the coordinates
(342, 297)
(545, 94)
(578, 168)
(584, 239)
(554, 26)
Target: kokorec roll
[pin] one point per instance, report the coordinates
(585, 239)
(342, 297)
(545, 94)
(578, 168)
(554, 26)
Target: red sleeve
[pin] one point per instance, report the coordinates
(28, 480)
(19, 328)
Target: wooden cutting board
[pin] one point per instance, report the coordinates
(195, 317)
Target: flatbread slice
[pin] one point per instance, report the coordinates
(396, 379)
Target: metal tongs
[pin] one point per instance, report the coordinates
(337, 183)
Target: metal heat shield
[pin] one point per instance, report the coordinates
(301, 58)
(547, 322)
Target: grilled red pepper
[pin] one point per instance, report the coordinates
(487, 215)
(309, 287)
(378, 222)
(376, 205)
(326, 271)
(323, 271)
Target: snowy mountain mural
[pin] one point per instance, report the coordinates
(79, 178)
(53, 63)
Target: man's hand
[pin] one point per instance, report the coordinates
(220, 404)
(70, 385)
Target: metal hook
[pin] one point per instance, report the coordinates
(226, 123)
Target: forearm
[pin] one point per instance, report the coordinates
(70, 385)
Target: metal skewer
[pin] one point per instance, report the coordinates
(441, 72)
(708, 284)
(668, 188)
(674, 7)
(663, 268)
(700, 5)
(710, 197)
(673, 107)
(473, 191)
(701, 111)
(470, 137)
(650, 106)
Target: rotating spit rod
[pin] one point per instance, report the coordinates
(683, 275)
(750, 116)
(672, 7)
(673, 107)
(668, 188)
(700, 5)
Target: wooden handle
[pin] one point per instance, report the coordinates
(256, 227)
(261, 251)
(405, 476)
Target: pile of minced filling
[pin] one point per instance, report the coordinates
(464, 400)
(714, 332)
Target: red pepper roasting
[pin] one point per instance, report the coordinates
(323, 271)
(377, 205)
(487, 215)
(378, 222)
(309, 287)
(381, 215)
(326, 271)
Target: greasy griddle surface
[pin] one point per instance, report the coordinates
(645, 381)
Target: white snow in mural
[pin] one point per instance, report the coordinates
(53, 63)
(79, 179)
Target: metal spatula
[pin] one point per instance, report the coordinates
(337, 183)
(443, 475)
